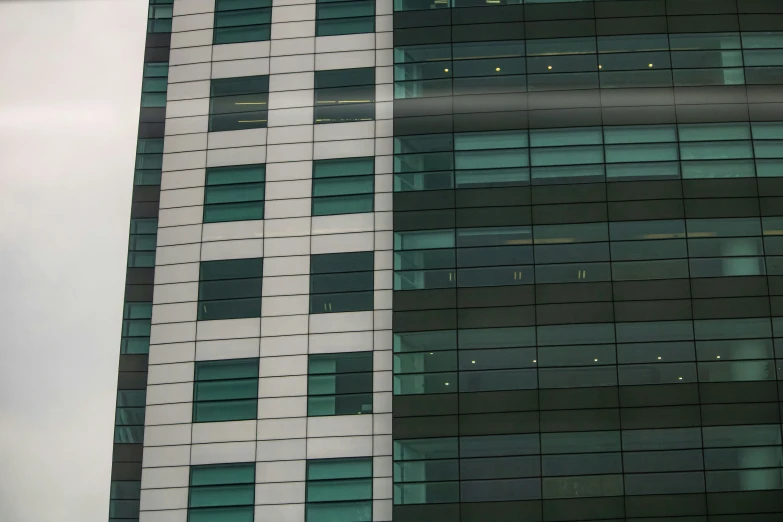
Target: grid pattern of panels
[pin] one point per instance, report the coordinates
(244, 196)
(587, 302)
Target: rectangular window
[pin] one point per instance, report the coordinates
(230, 289)
(341, 282)
(159, 16)
(339, 384)
(224, 492)
(154, 84)
(343, 186)
(339, 490)
(238, 103)
(335, 17)
(234, 193)
(136, 319)
(141, 245)
(242, 21)
(129, 417)
(149, 160)
(345, 95)
(225, 390)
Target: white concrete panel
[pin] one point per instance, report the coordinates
(236, 156)
(287, 227)
(339, 425)
(240, 51)
(382, 445)
(227, 349)
(382, 341)
(238, 68)
(383, 299)
(222, 453)
(232, 431)
(292, 81)
(168, 414)
(344, 60)
(182, 178)
(291, 170)
(281, 513)
(282, 366)
(184, 160)
(281, 407)
(186, 55)
(237, 138)
(185, 272)
(293, 13)
(285, 325)
(187, 125)
(194, 22)
(290, 99)
(382, 319)
(286, 246)
(270, 387)
(285, 208)
(282, 117)
(175, 477)
(334, 243)
(185, 7)
(172, 255)
(191, 39)
(345, 131)
(290, 152)
(277, 450)
(158, 499)
(289, 64)
(341, 322)
(290, 134)
(186, 197)
(174, 313)
(291, 265)
(294, 46)
(280, 493)
(167, 435)
(172, 333)
(170, 373)
(238, 249)
(165, 456)
(341, 342)
(275, 429)
(382, 510)
(171, 353)
(233, 230)
(339, 447)
(283, 471)
(175, 293)
(190, 72)
(286, 345)
(383, 279)
(343, 223)
(346, 42)
(285, 305)
(343, 149)
(228, 329)
(172, 515)
(382, 424)
(185, 142)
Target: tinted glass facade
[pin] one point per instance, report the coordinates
(455, 261)
(585, 264)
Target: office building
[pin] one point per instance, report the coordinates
(456, 261)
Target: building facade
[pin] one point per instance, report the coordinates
(455, 261)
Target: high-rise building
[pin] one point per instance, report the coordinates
(455, 261)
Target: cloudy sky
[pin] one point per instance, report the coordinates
(69, 102)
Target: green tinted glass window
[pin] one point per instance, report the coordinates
(341, 282)
(149, 160)
(141, 243)
(238, 103)
(234, 193)
(340, 384)
(242, 21)
(343, 186)
(339, 490)
(159, 17)
(230, 289)
(344, 95)
(224, 492)
(225, 390)
(344, 17)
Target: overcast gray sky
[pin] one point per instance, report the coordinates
(69, 102)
